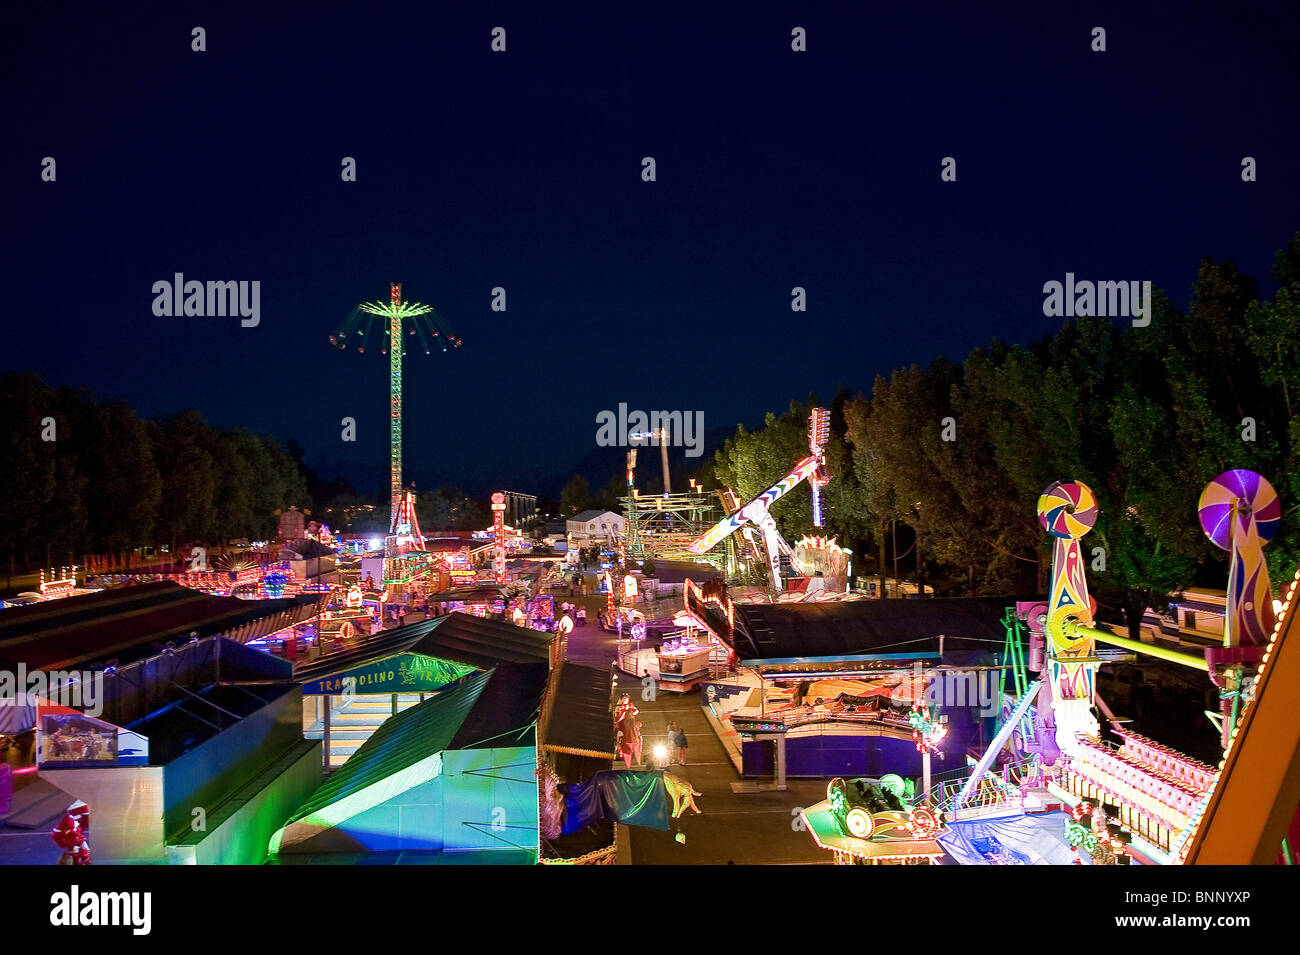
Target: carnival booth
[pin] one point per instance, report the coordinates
(348, 697)
(831, 689)
(174, 738)
(452, 774)
(541, 613)
(577, 738)
(454, 771)
(684, 661)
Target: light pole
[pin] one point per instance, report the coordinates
(661, 435)
(920, 580)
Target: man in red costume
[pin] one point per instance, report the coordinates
(629, 731)
(71, 834)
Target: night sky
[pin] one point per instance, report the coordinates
(523, 170)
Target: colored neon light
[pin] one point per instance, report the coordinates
(59, 586)
(399, 315)
(1137, 646)
(499, 535)
(1240, 512)
(1195, 835)
(810, 469)
(1067, 510)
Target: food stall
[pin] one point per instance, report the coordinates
(683, 663)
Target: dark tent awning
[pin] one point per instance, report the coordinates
(679, 571)
(506, 709)
(459, 637)
(581, 722)
(307, 548)
(969, 625)
(480, 641)
(126, 623)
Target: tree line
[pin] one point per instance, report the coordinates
(81, 477)
(1146, 416)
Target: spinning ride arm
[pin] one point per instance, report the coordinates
(756, 511)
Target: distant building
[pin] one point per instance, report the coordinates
(293, 525)
(520, 508)
(594, 525)
(310, 560)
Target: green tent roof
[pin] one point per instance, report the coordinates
(400, 742)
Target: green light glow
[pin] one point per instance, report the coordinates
(1149, 649)
(332, 814)
(1077, 835)
(400, 310)
(415, 319)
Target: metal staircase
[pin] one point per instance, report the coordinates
(353, 721)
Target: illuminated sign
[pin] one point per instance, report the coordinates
(499, 534)
(402, 672)
(60, 586)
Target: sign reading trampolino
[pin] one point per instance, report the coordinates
(400, 673)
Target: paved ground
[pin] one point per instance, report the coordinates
(742, 828)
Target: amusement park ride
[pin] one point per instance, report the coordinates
(684, 525)
(1153, 789)
(662, 525)
(404, 549)
(757, 512)
(1147, 802)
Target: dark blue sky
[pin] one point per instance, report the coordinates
(522, 170)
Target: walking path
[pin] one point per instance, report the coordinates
(756, 827)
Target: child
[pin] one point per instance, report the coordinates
(679, 741)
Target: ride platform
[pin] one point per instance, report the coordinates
(850, 850)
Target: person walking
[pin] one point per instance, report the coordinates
(679, 741)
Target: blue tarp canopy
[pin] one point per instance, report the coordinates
(1017, 839)
(632, 798)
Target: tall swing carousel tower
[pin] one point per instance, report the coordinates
(423, 322)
